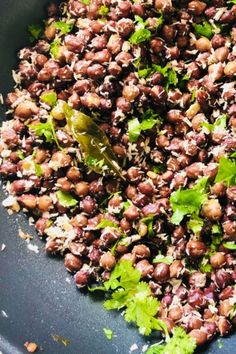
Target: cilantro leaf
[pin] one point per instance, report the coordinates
(149, 120)
(195, 224)
(169, 73)
(104, 10)
(108, 333)
(204, 265)
(216, 237)
(230, 245)
(188, 201)
(105, 223)
(36, 32)
(66, 199)
(54, 48)
(43, 129)
(123, 275)
(20, 154)
(85, 2)
(204, 29)
(219, 125)
(148, 220)
(226, 171)
(163, 259)
(38, 169)
(142, 308)
(50, 98)
(63, 27)
(180, 342)
(139, 36)
(134, 129)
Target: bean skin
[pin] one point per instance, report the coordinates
(72, 263)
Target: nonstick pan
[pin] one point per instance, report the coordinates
(38, 298)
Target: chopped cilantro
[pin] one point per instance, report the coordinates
(142, 34)
(108, 333)
(230, 245)
(219, 125)
(180, 343)
(149, 120)
(226, 171)
(139, 36)
(54, 48)
(204, 29)
(148, 220)
(105, 223)
(104, 10)
(63, 27)
(38, 169)
(20, 154)
(204, 265)
(43, 129)
(188, 201)
(159, 168)
(163, 259)
(66, 199)
(91, 161)
(36, 32)
(216, 237)
(46, 130)
(85, 2)
(169, 74)
(195, 224)
(126, 205)
(220, 343)
(50, 98)
(134, 296)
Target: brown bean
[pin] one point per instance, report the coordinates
(141, 251)
(107, 261)
(131, 213)
(211, 209)
(195, 248)
(26, 109)
(217, 260)
(145, 268)
(72, 263)
(88, 205)
(230, 68)
(44, 203)
(203, 44)
(199, 336)
(175, 313)
(161, 272)
(28, 201)
(82, 278)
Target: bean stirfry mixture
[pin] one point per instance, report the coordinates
(121, 148)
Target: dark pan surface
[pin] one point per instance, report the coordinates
(34, 289)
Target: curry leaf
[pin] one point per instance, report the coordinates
(93, 141)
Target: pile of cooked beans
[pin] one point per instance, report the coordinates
(96, 69)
